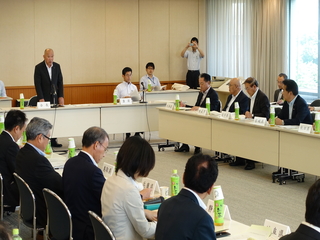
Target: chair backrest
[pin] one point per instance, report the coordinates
(1, 197)
(33, 101)
(58, 216)
(27, 202)
(101, 230)
(315, 103)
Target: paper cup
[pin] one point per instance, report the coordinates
(164, 191)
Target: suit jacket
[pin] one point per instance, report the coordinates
(243, 101)
(8, 153)
(82, 186)
(214, 100)
(38, 173)
(181, 217)
(276, 95)
(122, 209)
(44, 86)
(261, 107)
(300, 113)
(303, 232)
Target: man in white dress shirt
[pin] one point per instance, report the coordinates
(149, 77)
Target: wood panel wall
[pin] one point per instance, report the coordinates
(79, 93)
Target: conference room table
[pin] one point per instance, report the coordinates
(5, 102)
(280, 146)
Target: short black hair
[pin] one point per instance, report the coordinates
(135, 156)
(125, 70)
(15, 118)
(206, 77)
(194, 39)
(92, 135)
(251, 81)
(150, 64)
(313, 204)
(291, 86)
(285, 77)
(200, 178)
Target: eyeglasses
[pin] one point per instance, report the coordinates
(105, 148)
(46, 137)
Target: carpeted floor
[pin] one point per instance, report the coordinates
(250, 195)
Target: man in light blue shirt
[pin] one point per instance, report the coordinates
(154, 81)
(2, 90)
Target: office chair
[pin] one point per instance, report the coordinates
(315, 103)
(33, 101)
(59, 222)
(101, 230)
(27, 211)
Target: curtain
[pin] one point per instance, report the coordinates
(247, 38)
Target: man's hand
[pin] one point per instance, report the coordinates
(278, 121)
(194, 108)
(61, 101)
(41, 100)
(248, 114)
(151, 215)
(145, 193)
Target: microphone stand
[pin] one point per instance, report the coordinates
(143, 94)
(54, 105)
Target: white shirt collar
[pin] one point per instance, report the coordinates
(311, 226)
(93, 161)
(201, 203)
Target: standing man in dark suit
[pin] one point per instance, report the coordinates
(278, 98)
(206, 91)
(236, 95)
(184, 216)
(295, 109)
(48, 82)
(15, 124)
(259, 106)
(35, 169)
(83, 182)
(310, 229)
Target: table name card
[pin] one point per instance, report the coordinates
(202, 111)
(225, 115)
(261, 121)
(125, 101)
(170, 105)
(277, 229)
(150, 183)
(107, 170)
(43, 105)
(305, 128)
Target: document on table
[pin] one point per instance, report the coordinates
(255, 232)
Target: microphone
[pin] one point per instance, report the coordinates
(143, 94)
(142, 86)
(54, 105)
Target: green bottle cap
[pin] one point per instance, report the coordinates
(15, 231)
(175, 171)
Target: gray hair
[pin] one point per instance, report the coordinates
(92, 135)
(37, 126)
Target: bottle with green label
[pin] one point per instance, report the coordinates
(177, 102)
(149, 86)
(272, 117)
(15, 234)
(236, 111)
(317, 123)
(71, 148)
(21, 101)
(218, 206)
(115, 97)
(48, 149)
(208, 105)
(24, 138)
(1, 123)
(175, 183)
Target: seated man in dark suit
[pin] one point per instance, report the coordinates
(184, 216)
(278, 97)
(259, 106)
(295, 109)
(206, 91)
(310, 229)
(34, 167)
(83, 182)
(15, 124)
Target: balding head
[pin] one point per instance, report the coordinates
(48, 56)
(234, 86)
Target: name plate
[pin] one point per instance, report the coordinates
(150, 183)
(107, 170)
(261, 121)
(170, 106)
(125, 101)
(43, 105)
(225, 115)
(277, 229)
(305, 128)
(202, 111)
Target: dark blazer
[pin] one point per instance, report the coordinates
(181, 218)
(261, 107)
(276, 95)
(243, 101)
(82, 186)
(38, 173)
(43, 84)
(214, 100)
(8, 153)
(303, 232)
(300, 112)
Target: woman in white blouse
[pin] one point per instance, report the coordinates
(122, 207)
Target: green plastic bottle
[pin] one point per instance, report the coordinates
(1, 123)
(15, 234)
(175, 183)
(24, 138)
(48, 149)
(177, 103)
(21, 101)
(272, 117)
(317, 123)
(236, 111)
(149, 86)
(115, 97)
(208, 105)
(218, 206)
(71, 148)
